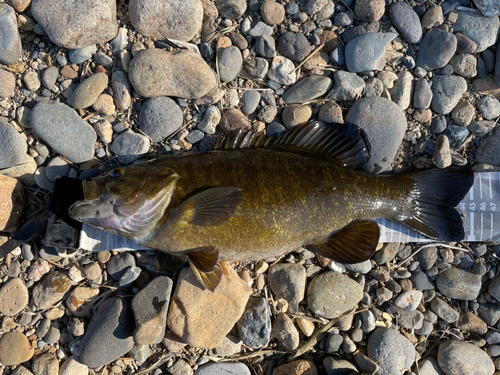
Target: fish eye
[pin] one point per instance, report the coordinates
(116, 174)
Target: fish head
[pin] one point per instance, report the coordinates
(127, 201)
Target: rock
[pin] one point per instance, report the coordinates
(211, 119)
(272, 13)
(393, 352)
(464, 65)
(294, 46)
(429, 366)
(459, 284)
(447, 92)
(402, 90)
(465, 44)
(489, 107)
(32, 81)
(13, 146)
(72, 366)
(46, 364)
(77, 26)
(456, 357)
(109, 334)
(81, 300)
(8, 87)
(167, 19)
(257, 67)
(384, 124)
(444, 311)
(369, 11)
(314, 6)
(442, 155)
(10, 41)
(160, 117)
(334, 366)
(489, 8)
(330, 294)
(330, 112)
(481, 128)
(463, 113)
(421, 281)
(285, 332)
(203, 318)
(234, 119)
(150, 307)
(469, 322)
(231, 9)
(288, 281)
(254, 326)
(86, 93)
(406, 21)
(409, 300)
(64, 131)
(250, 100)
(230, 63)
(122, 91)
(367, 52)
(78, 56)
(117, 264)
(282, 71)
(265, 46)
(343, 19)
(294, 115)
(229, 346)
(224, 368)
(299, 367)
(436, 49)
(15, 348)
(238, 40)
(433, 17)
(51, 290)
(180, 367)
(422, 96)
(307, 89)
(130, 146)
(104, 104)
(482, 30)
(49, 77)
(346, 86)
(487, 152)
(13, 297)
(183, 74)
(410, 319)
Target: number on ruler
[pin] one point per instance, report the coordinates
(493, 206)
(461, 207)
(482, 206)
(472, 206)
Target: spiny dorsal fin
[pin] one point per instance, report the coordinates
(343, 142)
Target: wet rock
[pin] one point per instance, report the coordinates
(130, 146)
(10, 41)
(447, 92)
(13, 146)
(294, 46)
(285, 332)
(456, 357)
(346, 86)
(459, 284)
(160, 117)
(51, 290)
(181, 74)
(367, 52)
(307, 89)
(482, 30)
(406, 21)
(393, 352)
(436, 49)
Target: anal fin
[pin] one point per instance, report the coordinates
(354, 243)
(204, 263)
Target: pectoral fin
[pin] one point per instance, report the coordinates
(212, 207)
(204, 262)
(354, 243)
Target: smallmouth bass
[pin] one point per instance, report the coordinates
(254, 197)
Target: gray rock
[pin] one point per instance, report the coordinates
(275, 128)
(77, 26)
(163, 19)
(8, 87)
(384, 124)
(489, 107)
(254, 326)
(129, 276)
(55, 168)
(497, 66)
(250, 100)
(109, 334)
(160, 117)
(447, 92)
(427, 257)
(338, 366)
(481, 128)
(333, 342)
(420, 281)
(118, 264)
(130, 146)
(150, 307)
(487, 152)
(393, 352)
(456, 134)
(195, 136)
(230, 63)
(307, 89)
(49, 77)
(53, 335)
(367, 52)
(224, 368)
(463, 113)
(51, 289)
(489, 8)
(285, 332)
(64, 131)
(265, 46)
(374, 88)
(122, 91)
(459, 284)
(457, 358)
(494, 288)
(314, 6)
(260, 29)
(436, 49)
(464, 65)
(410, 319)
(282, 71)
(80, 55)
(489, 312)
(482, 30)
(406, 21)
(288, 281)
(211, 119)
(10, 41)
(444, 311)
(402, 90)
(346, 86)
(102, 59)
(257, 67)
(337, 57)
(294, 46)
(87, 92)
(425, 330)
(183, 74)
(13, 147)
(330, 294)
(231, 9)
(429, 366)
(442, 154)
(362, 267)
(343, 19)
(360, 29)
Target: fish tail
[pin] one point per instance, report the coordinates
(436, 193)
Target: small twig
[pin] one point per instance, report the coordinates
(259, 353)
(308, 57)
(431, 245)
(160, 362)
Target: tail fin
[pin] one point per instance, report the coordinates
(436, 194)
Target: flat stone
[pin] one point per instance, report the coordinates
(150, 307)
(288, 281)
(64, 131)
(250, 100)
(457, 357)
(15, 348)
(299, 367)
(393, 352)
(265, 46)
(285, 332)
(202, 318)
(282, 71)
(294, 46)
(13, 297)
(234, 119)
(130, 146)
(80, 25)
(78, 56)
(183, 74)
(307, 89)
(46, 364)
(160, 117)
(87, 92)
(224, 368)
(8, 87)
(447, 92)
(406, 21)
(487, 152)
(10, 41)
(122, 91)
(422, 96)
(436, 49)
(482, 30)
(73, 366)
(402, 90)
(459, 284)
(51, 289)
(13, 146)
(384, 124)
(346, 86)
(230, 63)
(164, 19)
(231, 9)
(109, 334)
(367, 52)
(470, 322)
(330, 112)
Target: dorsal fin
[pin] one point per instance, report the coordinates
(343, 142)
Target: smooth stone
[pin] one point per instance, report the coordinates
(367, 52)
(230, 63)
(10, 40)
(497, 67)
(109, 334)
(183, 74)
(8, 87)
(465, 44)
(489, 107)
(129, 276)
(257, 67)
(487, 152)
(49, 77)
(433, 17)
(406, 21)
(130, 146)
(265, 46)
(337, 57)
(64, 131)
(307, 89)
(457, 358)
(81, 300)
(80, 55)
(314, 6)
(13, 297)
(360, 29)
(330, 294)
(444, 311)
(285, 332)
(409, 300)
(254, 326)
(493, 288)
(238, 40)
(272, 13)
(294, 46)
(260, 29)
(481, 128)
(233, 119)
(330, 112)
(282, 71)
(250, 101)
(150, 307)
(77, 26)
(288, 281)
(202, 318)
(384, 124)
(346, 86)
(118, 264)
(369, 10)
(73, 366)
(421, 281)
(294, 115)
(447, 92)
(361, 267)
(15, 348)
(410, 319)
(231, 9)
(429, 366)
(402, 90)
(224, 368)
(463, 113)
(489, 8)
(51, 289)
(57, 167)
(32, 81)
(343, 19)
(442, 154)
(13, 146)
(122, 90)
(422, 96)
(167, 19)
(393, 352)
(459, 284)
(482, 30)
(160, 117)
(87, 92)
(464, 65)
(374, 88)
(436, 49)
(338, 366)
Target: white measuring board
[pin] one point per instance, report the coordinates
(480, 209)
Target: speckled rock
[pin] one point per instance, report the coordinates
(482, 30)
(288, 281)
(13, 146)
(130, 146)
(231, 9)
(15, 348)
(447, 92)
(299, 367)
(346, 86)
(393, 352)
(10, 41)
(406, 20)
(436, 49)
(13, 297)
(254, 326)
(224, 368)
(367, 52)
(160, 117)
(456, 358)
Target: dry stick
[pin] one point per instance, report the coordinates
(243, 357)
(160, 362)
(311, 55)
(431, 245)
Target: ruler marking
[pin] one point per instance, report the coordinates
(491, 226)
(481, 234)
(480, 187)
(491, 190)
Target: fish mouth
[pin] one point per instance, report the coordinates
(83, 210)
